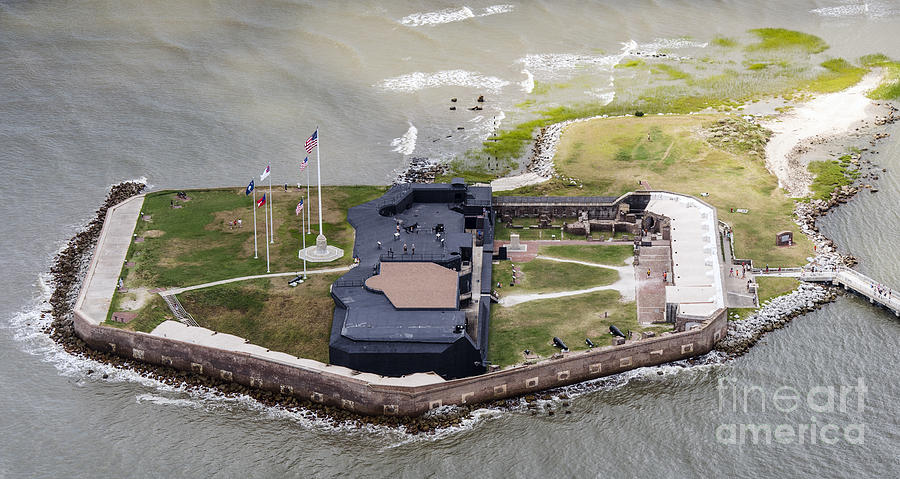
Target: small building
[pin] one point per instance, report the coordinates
(419, 300)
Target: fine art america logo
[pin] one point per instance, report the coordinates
(809, 407)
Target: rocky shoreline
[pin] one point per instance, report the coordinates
(776, 313)
(420, 170)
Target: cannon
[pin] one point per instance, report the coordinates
(560, 344)
(615, 331)
(589, 343)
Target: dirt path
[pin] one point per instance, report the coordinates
(243, 278)
(625, 284)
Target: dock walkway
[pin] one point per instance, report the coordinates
(851, 280)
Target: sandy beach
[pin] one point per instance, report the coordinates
(825, 116)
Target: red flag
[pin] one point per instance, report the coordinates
(261, 201)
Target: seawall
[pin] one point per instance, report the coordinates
(318, 385)
(321, 383)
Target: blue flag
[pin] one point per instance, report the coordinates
(249, 188)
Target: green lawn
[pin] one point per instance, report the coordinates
(773, 287)
(533, 325)
(613, 255)
(548, 276)
(269, 313)
(195, 244)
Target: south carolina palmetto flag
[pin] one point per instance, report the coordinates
(299, 207)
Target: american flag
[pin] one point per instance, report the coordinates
(299, 207)
(304, 163)
(313, 141)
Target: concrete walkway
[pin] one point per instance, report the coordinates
(257, 276)
(109, 256)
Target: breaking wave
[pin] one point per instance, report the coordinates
(450, 15)
(461, 78)
(406, 144)
(855, 10)
(528, 82)
(555, 62)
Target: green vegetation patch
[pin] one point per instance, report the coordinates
(269, 313)
(533, 325)
(631, 64)
(771, 287)
(889, 88)
(840, 75)
(737, 135)
(830, 175)
(151, 315)
(725, 42)
(674, 73)
(780, 39)
(198, 243)
(612, 255)
(546, 276)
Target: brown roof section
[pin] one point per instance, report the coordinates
(416, 285)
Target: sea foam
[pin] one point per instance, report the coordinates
(528, 82)
(450, 15)
(406, 144)
(419, 80)
(854, 10)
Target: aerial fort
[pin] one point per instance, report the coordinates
(433, 309)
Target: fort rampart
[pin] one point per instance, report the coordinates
(320, 385)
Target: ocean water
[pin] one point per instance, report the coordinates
(192, 94)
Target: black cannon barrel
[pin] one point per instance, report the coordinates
(559, 343)
(615, 331)
(589, 343)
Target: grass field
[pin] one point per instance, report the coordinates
(609, 156)
(195, 244)
(612, 255)
(533, 325)
(269, 313)
(549, 276)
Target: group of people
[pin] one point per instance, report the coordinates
(882, 290)
(738, 273)
(238, 223)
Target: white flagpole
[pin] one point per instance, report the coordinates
(255, 247)
(319, 178)
(267, 243)
(308, 211)
(271, 208)
(303, 234)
